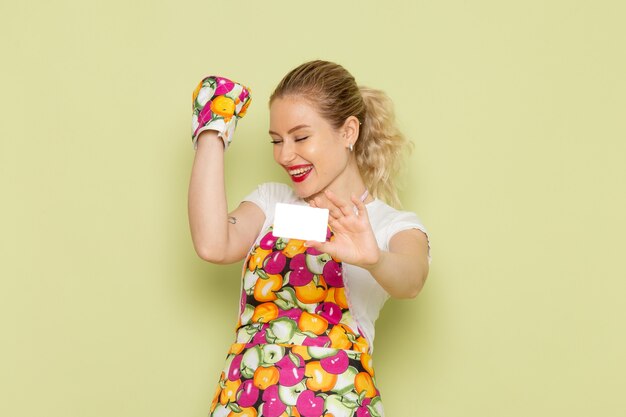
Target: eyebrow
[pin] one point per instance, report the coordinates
(293, 129)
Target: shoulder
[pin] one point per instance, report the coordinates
(386, 221)
(384, 216)
(267, 194)
(278, 192)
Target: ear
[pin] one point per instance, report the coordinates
(351, 130)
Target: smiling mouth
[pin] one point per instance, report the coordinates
(299, 173)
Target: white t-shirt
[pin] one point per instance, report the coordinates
(364, 294)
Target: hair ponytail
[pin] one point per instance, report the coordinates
(380, 146)
(335, 93)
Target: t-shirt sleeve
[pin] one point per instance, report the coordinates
(266, 196)
(406, 220)
(259, 197)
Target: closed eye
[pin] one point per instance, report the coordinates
(277, 141)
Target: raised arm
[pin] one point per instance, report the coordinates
(218, 236)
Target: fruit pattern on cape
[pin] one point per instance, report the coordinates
(294, 294)
(276, 380)
(298, 351)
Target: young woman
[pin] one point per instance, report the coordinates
(305, 333)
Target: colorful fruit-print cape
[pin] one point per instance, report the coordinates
(298, 351)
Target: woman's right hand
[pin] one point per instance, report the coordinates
(217, 105)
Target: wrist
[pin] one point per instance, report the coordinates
(376, 261)
(209, 138)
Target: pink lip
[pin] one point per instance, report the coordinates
(302, 177)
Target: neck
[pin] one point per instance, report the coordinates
(349, 182)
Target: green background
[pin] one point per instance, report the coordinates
(517, 114)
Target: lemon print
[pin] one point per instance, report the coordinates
(224, 106)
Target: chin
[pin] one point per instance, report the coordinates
(300, 192)
(303, 192)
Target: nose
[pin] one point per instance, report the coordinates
(286, 152)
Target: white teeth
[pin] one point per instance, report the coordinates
(300, 171)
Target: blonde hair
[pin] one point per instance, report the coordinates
(334, 91)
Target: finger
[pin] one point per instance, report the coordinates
(324, 247)
(318, 203)
(336, 226)
(312, 244)
(339, 203)
(345, 208)
(321, 202)
(335, 213)
(333, 210)
(320, 246)
(360, 206)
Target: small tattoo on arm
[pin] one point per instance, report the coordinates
(232, 219)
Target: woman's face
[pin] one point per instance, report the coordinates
(313, 153)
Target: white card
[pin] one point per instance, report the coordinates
(292, 221)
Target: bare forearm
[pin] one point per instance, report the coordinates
(207, 204)
(401, 275)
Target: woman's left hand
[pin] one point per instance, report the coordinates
(354, 241)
